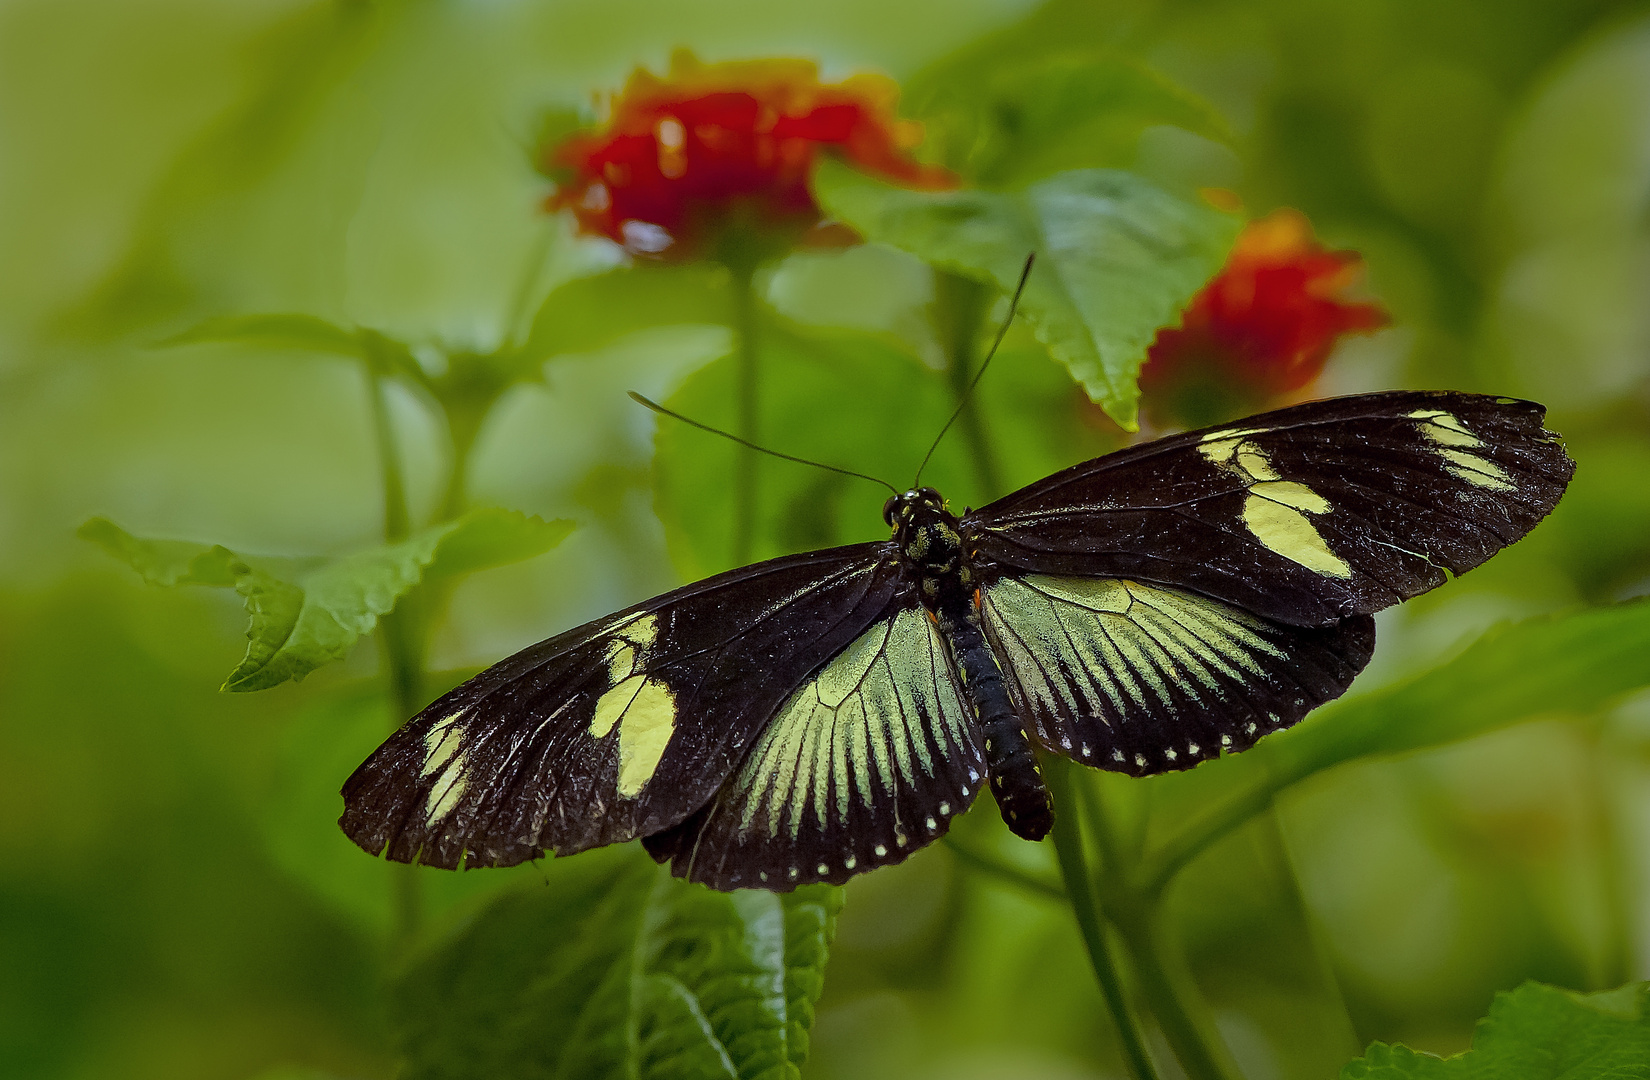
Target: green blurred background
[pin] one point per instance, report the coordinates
(175, 901)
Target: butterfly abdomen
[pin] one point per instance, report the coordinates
(1010, 760)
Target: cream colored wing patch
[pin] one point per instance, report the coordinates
(1142, 678)
(1275, 510)
(1460, 450)
(862, 764)
(643, 707)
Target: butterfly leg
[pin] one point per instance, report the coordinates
(1010, 760)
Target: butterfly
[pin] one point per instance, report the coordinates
(812, 717)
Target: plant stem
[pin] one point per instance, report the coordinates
(960, 306)
(1068, 846)
(1167, 991)
(401, 636)
(745, 426)
(1144, 933)
(1170, 858)
(977, 860)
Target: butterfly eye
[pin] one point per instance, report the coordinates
(888, 509)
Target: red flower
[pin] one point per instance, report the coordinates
(1262, 329)
(716, 154)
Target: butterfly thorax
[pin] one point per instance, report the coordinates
(930, 544)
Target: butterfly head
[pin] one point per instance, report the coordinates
(925, 531)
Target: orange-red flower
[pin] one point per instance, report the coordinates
(1262, 329)
(715, 154)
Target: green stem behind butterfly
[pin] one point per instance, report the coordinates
(400, 635)
(746, 425)
(1068, 846)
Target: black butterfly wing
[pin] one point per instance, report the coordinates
(1141, 678)
(1306, 515)
(617, 729)
(864, 763)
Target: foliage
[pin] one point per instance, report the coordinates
(622, 971)
(1534, 1033)
(305, 204)
(308, 612)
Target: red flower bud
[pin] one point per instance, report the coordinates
(720, 154)
(1261, 330)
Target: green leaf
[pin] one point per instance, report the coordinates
(858, 400)
(588, 313)
(1535, 1033)
(1570, 664)
(1118, 258)
(1561, 665)
(309, 334)
(274, 331)
(616, 970)
(492, 536)
(307, 613)
(1011, 120)
(322, 740)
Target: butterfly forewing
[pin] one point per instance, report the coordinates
(1143, 679)
(865, 762)
(1306, 515)
(617, 729)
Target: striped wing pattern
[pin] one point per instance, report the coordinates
(865, 762)
(1144, 679)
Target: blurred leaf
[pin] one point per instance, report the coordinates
(281, 331)
(324, 739)
(1003, 122)
(493, 536)
(1117, 258)
(862, 401)
(588, 313)
(306, 332)
(1569, 664)
(848, 398)
(294, 68)
(618, 970)
(308, 613)
(1535, 1033)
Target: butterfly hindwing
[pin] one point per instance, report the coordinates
(617, 729)
(864, 763)
(1305, 515)
(1142, 679)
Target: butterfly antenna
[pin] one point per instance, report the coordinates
(658, 408)
(968, 394)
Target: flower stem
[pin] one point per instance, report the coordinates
(1068, 846)
(745, 425)
(1142, 927)
(401, 636)
(977, 860)
(960, 306)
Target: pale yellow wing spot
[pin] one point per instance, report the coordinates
(1255, 464)
(612, 705)
(644, 732)
(1444, 429)
(441, 742)
(1290, 493)
(1475, 470)
(621, 664)
(1286, 531)
(448, 789)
